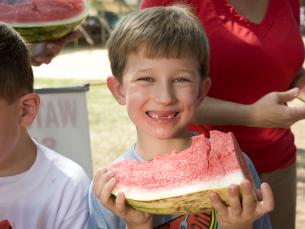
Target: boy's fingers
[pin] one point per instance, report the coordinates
(234, 201)
(105, 195)
(259, 194)
(267, 203)
(218, 204)
(248, 199)
(98, 181)
(120, 204)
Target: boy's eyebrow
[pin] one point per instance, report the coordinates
(178, 70)
(187, 70)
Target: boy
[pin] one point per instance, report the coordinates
(38, 187)
(159, 59)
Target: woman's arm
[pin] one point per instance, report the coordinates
(270, 111)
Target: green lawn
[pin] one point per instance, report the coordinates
(111, 132)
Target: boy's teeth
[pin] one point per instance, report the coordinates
(156, 116)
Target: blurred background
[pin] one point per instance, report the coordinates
(103, 15)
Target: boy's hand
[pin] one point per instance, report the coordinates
(242, 214)
(103, 184)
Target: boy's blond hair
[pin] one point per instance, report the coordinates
(16, 75)
(171, 32)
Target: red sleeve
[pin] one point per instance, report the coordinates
(295, 6)
(151, 3)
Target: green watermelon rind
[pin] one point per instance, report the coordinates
(44, 31)
(192, 203)
(301, 96)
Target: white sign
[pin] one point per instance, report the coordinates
(62, 123)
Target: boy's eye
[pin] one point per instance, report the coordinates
(146, 78)
(181, 80)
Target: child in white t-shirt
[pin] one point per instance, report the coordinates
(38, 187)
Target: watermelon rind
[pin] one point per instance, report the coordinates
(301, 95)
(180, 205)
(44, 31)
(185, 203)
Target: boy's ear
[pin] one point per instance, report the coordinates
(203, 90)
(29, 107)
(116, 89)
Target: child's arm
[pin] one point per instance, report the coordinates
(103, 184)
(242, 214)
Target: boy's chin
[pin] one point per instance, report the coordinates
(163, 135)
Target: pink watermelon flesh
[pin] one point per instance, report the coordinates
(40, 11)
(206, 165)
(301, 96)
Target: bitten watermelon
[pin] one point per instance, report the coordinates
(301, 95)
(40, 20)
(180, 182)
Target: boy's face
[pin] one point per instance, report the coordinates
(161, 94)
(9, 127)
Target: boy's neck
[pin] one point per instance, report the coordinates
(21, 158)
(148, 148)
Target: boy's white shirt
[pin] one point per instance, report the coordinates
(52, 194)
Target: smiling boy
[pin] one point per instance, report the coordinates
(159, 59)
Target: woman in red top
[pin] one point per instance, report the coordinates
(256, 58)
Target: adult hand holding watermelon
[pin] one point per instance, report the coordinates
(48, 25)
(41, 20)
(44, 52)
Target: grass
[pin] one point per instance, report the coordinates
(111, 132)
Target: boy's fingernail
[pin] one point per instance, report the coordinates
(232, 187)
(213, 195)
(109, 173)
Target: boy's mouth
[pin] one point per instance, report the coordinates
(164, 116)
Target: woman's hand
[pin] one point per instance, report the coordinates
(44, 52)
(271, 110)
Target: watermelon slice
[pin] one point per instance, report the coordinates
(180, 182)
(301, 95)
(40, 20)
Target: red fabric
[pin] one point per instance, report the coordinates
(4, 224)
(249, 60)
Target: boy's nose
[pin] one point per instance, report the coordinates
(165, 94)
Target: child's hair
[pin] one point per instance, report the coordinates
(170, 32)
(16, 74)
